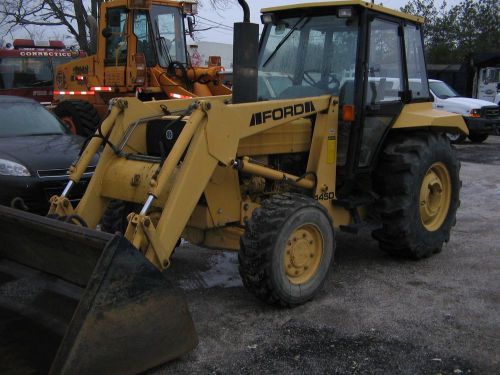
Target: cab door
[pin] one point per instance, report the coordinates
(116, 50)
(384, 84)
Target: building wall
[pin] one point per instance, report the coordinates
(206, 49)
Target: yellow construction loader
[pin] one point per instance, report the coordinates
(330, 127)
(141, 51)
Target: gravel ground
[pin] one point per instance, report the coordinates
(376, 314)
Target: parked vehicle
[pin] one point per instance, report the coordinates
(482, 117)
(487, 85)
(28, 68)
(36, 151)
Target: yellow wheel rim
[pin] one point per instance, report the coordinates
(435, 196)
(303, 253)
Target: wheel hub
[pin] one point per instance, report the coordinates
(303, 253)
(435, 196)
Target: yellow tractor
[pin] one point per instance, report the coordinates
(141, 51)
(330, 127)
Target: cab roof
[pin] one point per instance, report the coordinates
(377, 8)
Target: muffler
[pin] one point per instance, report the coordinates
(79, 301)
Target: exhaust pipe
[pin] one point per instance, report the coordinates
(245, 58)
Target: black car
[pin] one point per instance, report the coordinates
(36, 151)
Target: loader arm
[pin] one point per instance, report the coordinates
(210, 137)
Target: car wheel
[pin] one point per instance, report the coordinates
(477, 137)
(456, 138)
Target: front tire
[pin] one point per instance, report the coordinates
(287, 250)
(418, 181)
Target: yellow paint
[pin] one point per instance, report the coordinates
(331, 152)
(423, 115)
(303, 253)
(435, 196)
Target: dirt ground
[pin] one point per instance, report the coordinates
(376, 314)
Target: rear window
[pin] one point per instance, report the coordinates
(22, 119)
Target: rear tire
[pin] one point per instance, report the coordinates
(418, 181)
(477, 137)
(80, 117)
(287, 250)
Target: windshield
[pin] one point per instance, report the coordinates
(22, 72)
(22, 119)
(307, 56)
(442, 90)
(168, 29)
(491, 75)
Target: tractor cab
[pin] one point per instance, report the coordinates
(136, 35)
(153, 30)
(370, 57)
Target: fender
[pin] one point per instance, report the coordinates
(418, 115)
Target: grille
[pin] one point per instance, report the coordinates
(44, 173)
(491, 112)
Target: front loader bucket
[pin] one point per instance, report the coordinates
(78, 301)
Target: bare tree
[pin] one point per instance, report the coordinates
(74, 15)
(71, 14)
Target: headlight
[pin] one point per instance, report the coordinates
(10, 168)
(475, 113)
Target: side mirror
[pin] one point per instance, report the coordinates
(191, 23)
(106, 32)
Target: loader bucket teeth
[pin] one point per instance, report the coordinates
(74, 300)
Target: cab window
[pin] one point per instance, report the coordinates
(116, 44)
(141, 31)
(417, 75)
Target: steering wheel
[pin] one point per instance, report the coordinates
(332, 79)
(175, 65)
(204, 79)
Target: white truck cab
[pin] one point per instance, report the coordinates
(482, 117)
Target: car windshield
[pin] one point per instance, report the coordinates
(442, 90)
(24, 119)
(307, 56)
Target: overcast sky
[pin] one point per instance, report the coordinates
(219, 21)
(222, 33)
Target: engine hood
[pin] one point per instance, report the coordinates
(468, 103)
(42, 152)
